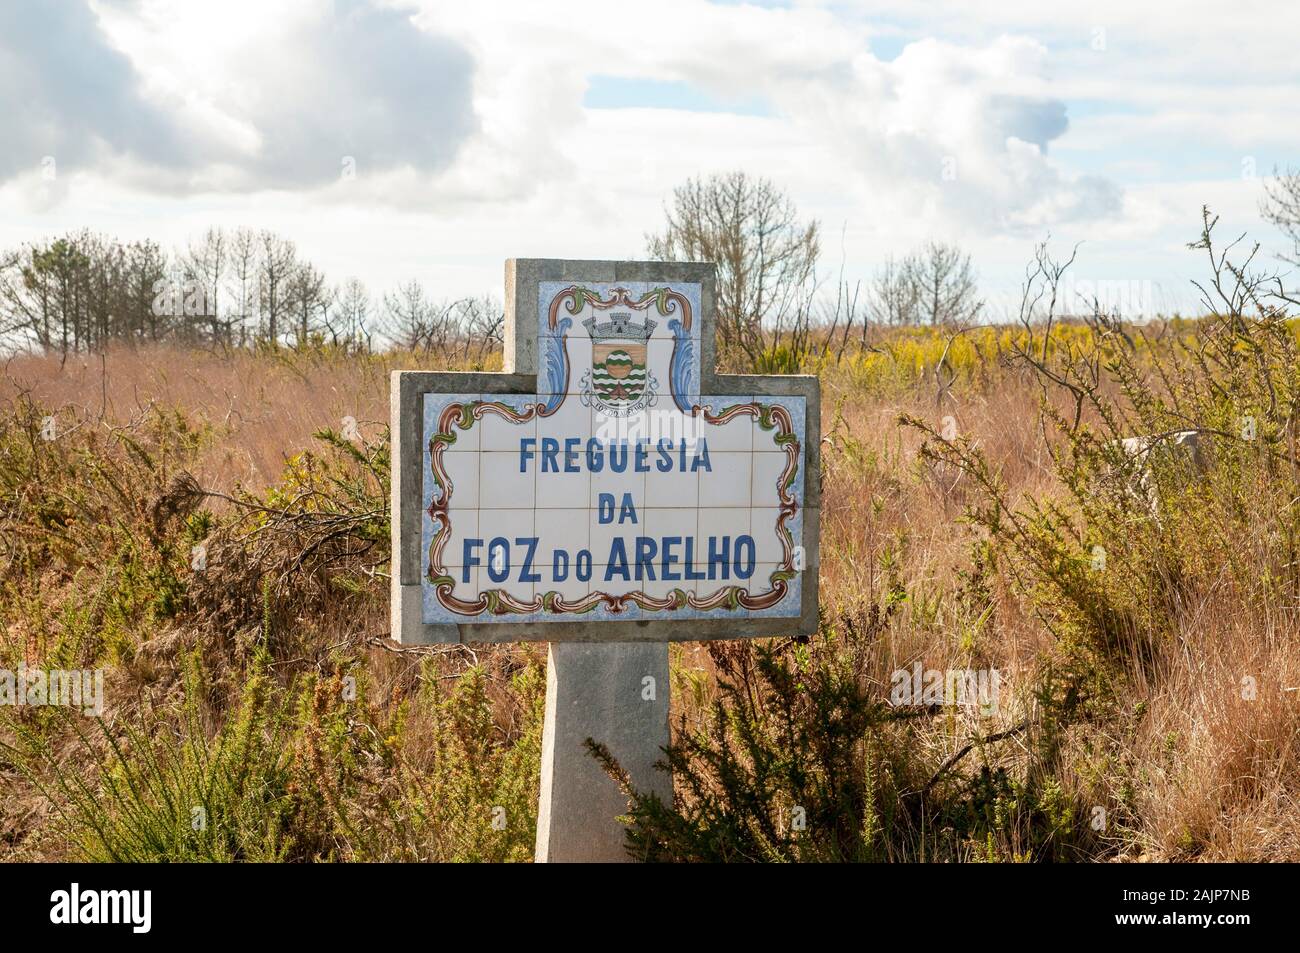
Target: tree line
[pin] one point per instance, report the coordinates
(231, 288)
(243, 287)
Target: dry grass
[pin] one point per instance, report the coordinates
(264, 407)
(1195, 770)
(1222, 754)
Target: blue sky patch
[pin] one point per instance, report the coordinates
(619, 92)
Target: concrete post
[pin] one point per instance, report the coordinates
(617, 694)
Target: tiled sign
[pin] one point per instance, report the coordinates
(618, 490)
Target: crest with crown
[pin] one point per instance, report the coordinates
(621, 326)
(619, 381)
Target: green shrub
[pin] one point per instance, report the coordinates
(166, 791)
(321, 774)
(778, 769)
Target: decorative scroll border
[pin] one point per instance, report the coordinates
(463, 416)
(555, 352)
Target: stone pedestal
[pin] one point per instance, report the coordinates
(616, 694)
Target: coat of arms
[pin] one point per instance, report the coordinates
(619, 382)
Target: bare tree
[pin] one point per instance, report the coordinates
(481, 321)
(944, 282)
(766, 257)
(894, 297)
(27, 296)
(276, 266)
(843, 315)
(83, 291)
(414, 321)
(846, 311)
(310, 299)
(205, 265)
(349, 325)
(243, 272)
(1281, 207)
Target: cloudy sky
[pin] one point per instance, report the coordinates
(432, 140)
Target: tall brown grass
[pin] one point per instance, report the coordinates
(1189, 769)
(264, 405)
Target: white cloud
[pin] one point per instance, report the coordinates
(472, 142)
(960, 135)
(65, 93)
(236, 96)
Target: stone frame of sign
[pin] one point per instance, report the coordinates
(544, 300)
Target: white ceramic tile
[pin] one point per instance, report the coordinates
(679, 521)
(466, 589)
(662, 332)
(502, 486)
(672, 489)
(643, 572)
(500, 433)
(571, 419)
(565, 529)
(736, 434)
(575, 453)
(671, 531)
(661, 358)
(663, 321)
(564, 490)
(603, 535)
(508, 524)
(727, 483)
(463, 471)
(659, 587)
(614, 429)
(720, 532)
(680, 429)
(673, 443)
(579, 348)
(723, 521)
(570, 588)
(557, 455)
(744, 557)
(659, 353)
(765, 440)
(548, 564)
(464, 525)
(767, 469)
(763, 528)
(618, 485)
(509, 581)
